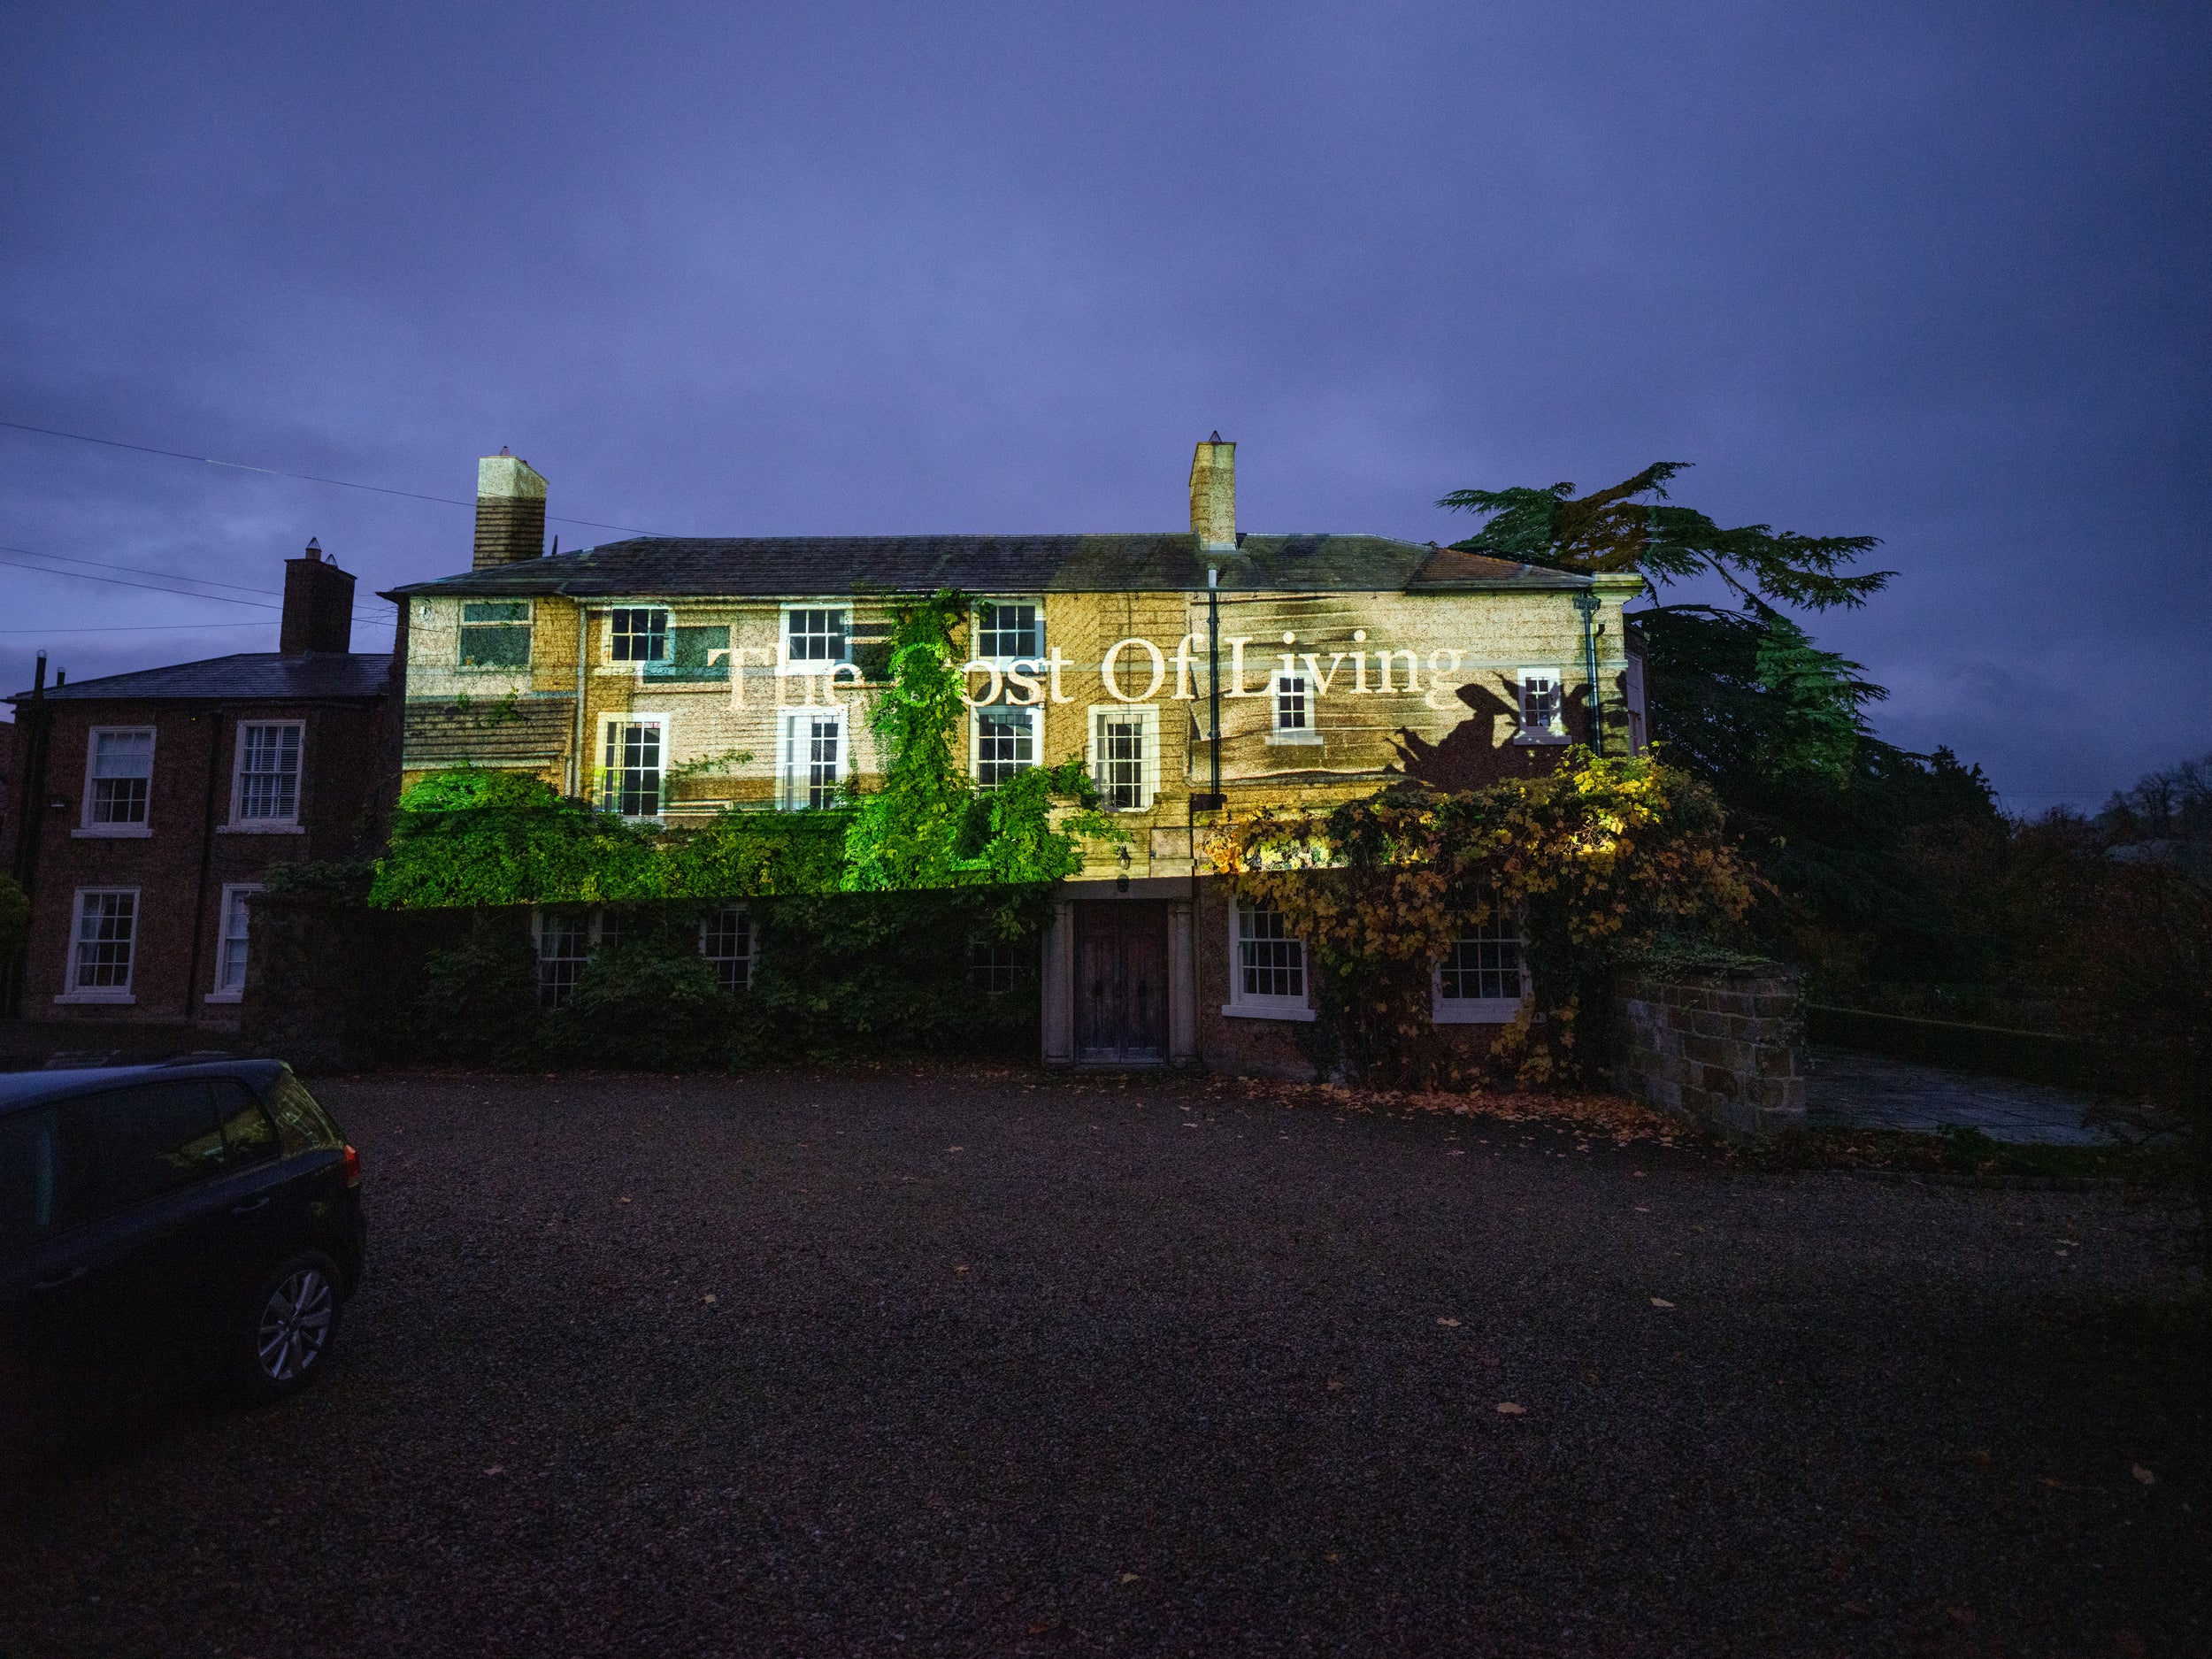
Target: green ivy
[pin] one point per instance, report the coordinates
(474, 837)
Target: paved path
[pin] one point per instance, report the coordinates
(961, 1362)
(1850, 1089)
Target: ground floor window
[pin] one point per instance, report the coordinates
(1267, 966)
(563, 947)
(104, 940)
(994, 963)
(725, 940)
(1481, 979)
(230, 946)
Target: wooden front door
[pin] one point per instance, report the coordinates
(1121, 983)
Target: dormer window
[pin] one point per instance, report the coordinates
(640, 635)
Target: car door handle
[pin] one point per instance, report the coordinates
(73, 1274)
(249, 1207)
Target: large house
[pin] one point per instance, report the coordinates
(151, 805)
(1197, 672)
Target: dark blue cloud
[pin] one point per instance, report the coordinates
(1935, 274)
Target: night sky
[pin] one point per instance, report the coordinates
(1938, 275)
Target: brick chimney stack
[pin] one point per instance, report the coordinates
(510, 511)
(318, 605)
(1213, 495)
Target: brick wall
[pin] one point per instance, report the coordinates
(1723, 1047)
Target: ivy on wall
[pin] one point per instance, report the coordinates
(1598, 861)
(472, 837)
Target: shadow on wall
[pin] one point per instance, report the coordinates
(1483, 748)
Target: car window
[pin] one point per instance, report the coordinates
(26, 1179)
(248, 1135)
(138, 1143)
(302, 1122)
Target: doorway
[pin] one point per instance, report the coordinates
(1121, 982)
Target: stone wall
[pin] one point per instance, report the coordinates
(1722, 1046)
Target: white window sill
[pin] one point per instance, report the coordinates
(261, 829)
(1475, 1010)
(1312, 740)
(113, 831)
(1267, 1010)
(1540, 737)
(226, 996)
(95, 996)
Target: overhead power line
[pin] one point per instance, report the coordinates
(141, 569)
(308, 478)
(181, 593)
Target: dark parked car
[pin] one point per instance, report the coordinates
(194, 1221)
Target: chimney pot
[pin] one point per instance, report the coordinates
(1213, 495)
(510, 511)
(314, 547)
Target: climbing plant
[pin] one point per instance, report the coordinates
(1598, 861)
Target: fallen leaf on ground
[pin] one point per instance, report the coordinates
(1332, 1557)
(1643, 1210)
(1452, 1324)
(1506, 1408)
(2144, 1476)
(1978, 1458)
(496, 1468)
(1335, 1387)
(956, 1148)
(623, 1199)
(1661, 1302)
(961, 1268)
(1131, 1577)
(706, 1298)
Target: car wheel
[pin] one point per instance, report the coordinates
(289, 1326)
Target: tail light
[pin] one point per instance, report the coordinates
(353, 1167)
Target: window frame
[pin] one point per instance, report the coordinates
(86, 824)
(750, 956)
(1483, 1010)
(1029, 712)
(233, 893)
(1555, 730)
(266, 823)
(462, 625)
(789, 785)
(73, 991)
(1004, 659)
(1146, 716)
(589, 932)
(788, 664)
(1248, 1005)
(665, 635)
(1307, 734)
(605, 792)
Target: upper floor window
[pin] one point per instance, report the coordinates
(1293, 710)
(1541, 700)
(121, 768)
(812, 767)
(1005, 743)
(268, 784)
(1005, 630)
(496, 633)
(640, 635)
(816, 635)
(635, 751)
(1125, 755)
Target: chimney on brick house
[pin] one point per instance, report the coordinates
(318, 605)
(510, 511)
(1213, 495)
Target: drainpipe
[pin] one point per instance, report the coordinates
(1588, 602)
(32, 808)
(576, 760)
(207, 854)
(1213, 675)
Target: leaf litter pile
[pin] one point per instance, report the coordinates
(1587, 1117)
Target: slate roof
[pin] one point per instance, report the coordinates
(796, 566)
(251, 676)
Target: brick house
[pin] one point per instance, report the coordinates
(1198, 672)
(149, 805)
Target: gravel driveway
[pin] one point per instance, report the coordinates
(975, 1361)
